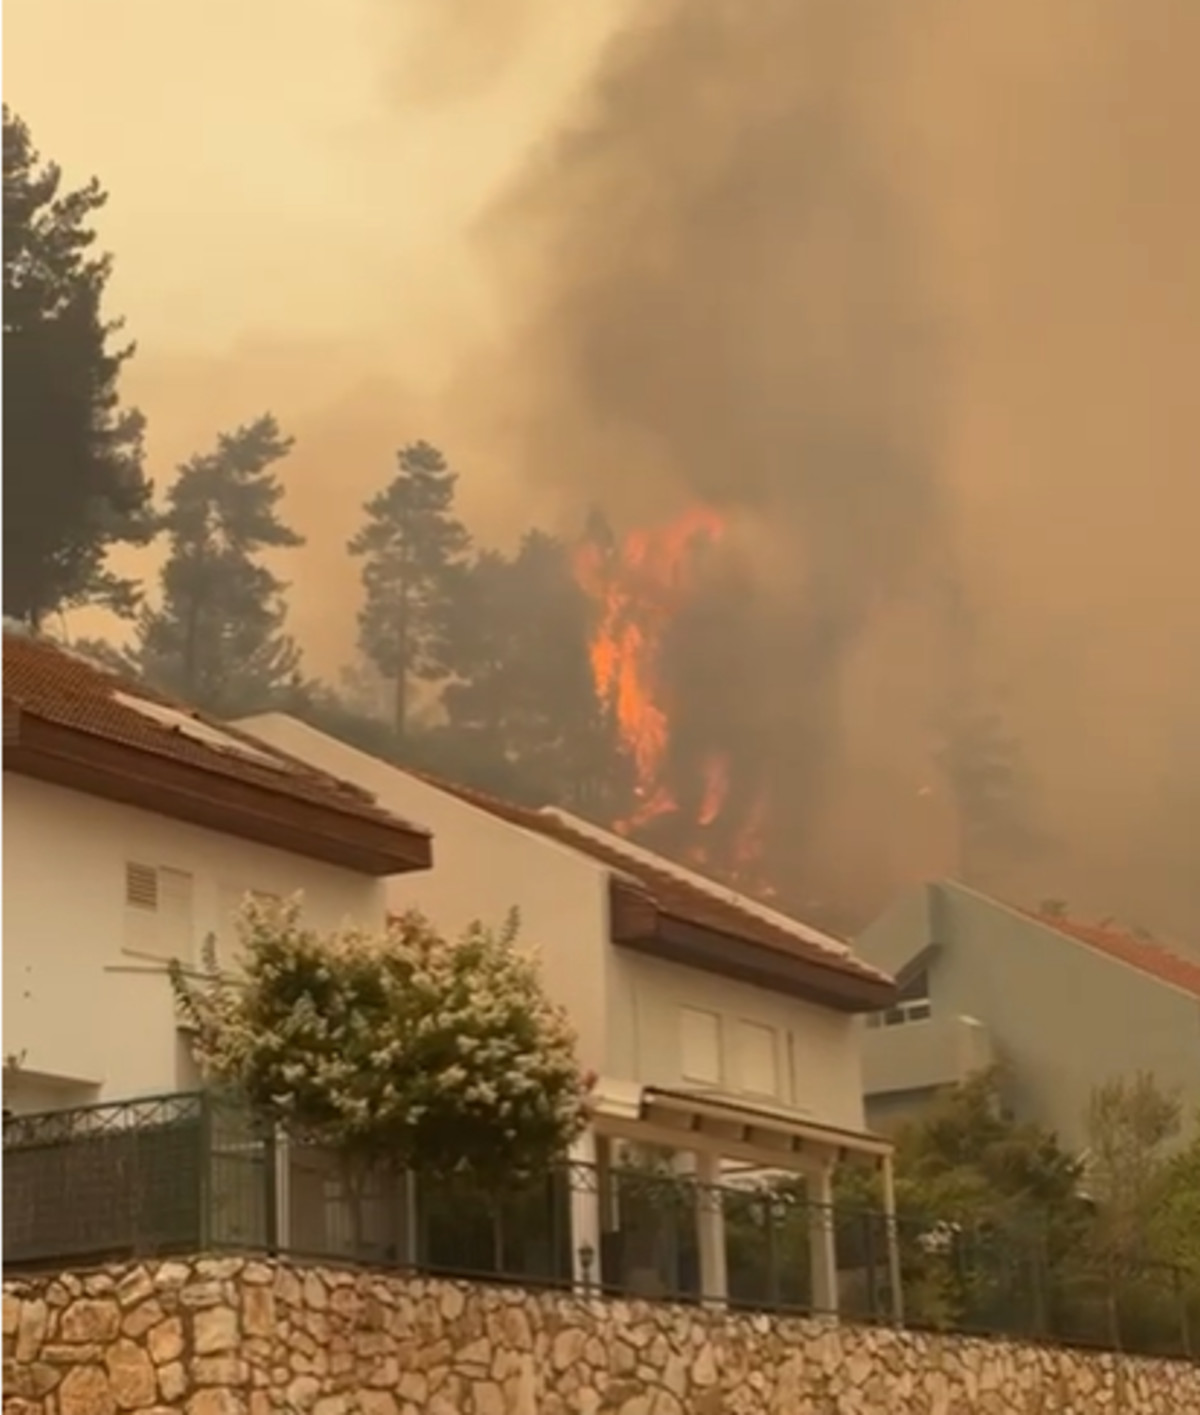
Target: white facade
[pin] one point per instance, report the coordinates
(639, 1020)
(98, 898)
(674, 1027)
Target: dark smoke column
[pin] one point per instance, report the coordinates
(726, 309)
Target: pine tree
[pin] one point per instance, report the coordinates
(218, 639)
(412, 548)
(982, 761)
(526, 694)
(73, 481)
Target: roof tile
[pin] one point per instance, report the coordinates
(1148, 957)
(48, 682)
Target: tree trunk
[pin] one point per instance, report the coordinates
(400, 708)
(191, 648)
(402, 635)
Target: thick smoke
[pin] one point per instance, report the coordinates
(730, 309)
(910, 288)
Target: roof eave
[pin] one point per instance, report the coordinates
(113, 771)
(639, 925)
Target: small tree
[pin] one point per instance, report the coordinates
(1129, 1124)
(1175, 1224)
(412, 547)
(979, 1194)
(405, 1048)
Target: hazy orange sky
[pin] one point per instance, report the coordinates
(291, 183)
(238, 140)
(295, 191)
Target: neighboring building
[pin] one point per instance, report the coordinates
(716, 1027)
(1064, 1007)
(134, 827)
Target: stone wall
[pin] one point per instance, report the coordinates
(226, 1336)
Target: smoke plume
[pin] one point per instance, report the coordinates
(908, 291)
(727, 306)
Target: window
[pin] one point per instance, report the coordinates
(758, 1059)
(158, 912)
(700, 1046)
(912, 1004)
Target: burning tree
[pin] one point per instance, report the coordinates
(657, 594)
(522, 697)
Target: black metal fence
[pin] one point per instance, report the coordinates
(184, 1173)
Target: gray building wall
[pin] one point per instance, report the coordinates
(1062, 1016)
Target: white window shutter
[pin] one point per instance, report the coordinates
(700, 1046)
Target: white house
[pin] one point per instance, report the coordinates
(717, 1028)
(134, 827)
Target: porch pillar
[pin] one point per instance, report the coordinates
(822, 1241)
(887, 1170)
(710, 1229)
(279, 1157)
(584, 1179)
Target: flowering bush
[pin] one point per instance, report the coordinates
(403, 1047)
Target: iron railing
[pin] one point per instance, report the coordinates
(182, 1173)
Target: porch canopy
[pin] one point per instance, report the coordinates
(703, 1121)
(719, 1134)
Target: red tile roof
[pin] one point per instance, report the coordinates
(1142, 954)
(47, 682)
(677, 894)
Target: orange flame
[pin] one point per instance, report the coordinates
(748, 851)
(716, 787)
(639, 588)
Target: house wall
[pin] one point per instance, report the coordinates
(1062, 1016)
(817, 1068)
(920, 1054)
(625, 1007)
(87, 1017)
(483, 866)
(908, 924)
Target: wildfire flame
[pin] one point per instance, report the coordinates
(639, 587)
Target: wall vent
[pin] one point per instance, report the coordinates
(141, 886)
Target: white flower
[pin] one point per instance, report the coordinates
(401, 1044)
